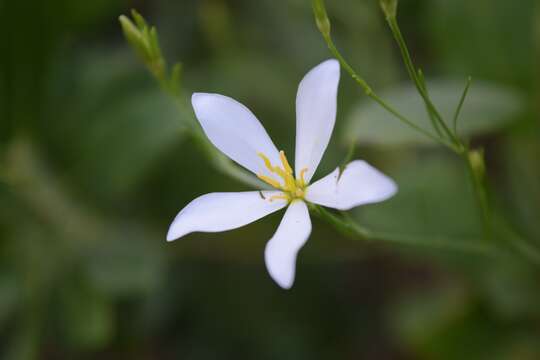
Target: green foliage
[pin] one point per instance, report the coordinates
(92, 328)
(95, 160)
(492, 39)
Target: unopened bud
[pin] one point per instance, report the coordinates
(135, 37)
(321, 17)
(478, 165)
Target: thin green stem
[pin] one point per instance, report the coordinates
(349, 156)
(432, 118)
(348, 227)
(422, 89)
(409, 66)
(460, 105)
(475, 165)
(369, 92)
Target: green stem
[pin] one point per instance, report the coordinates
(349, 156)
(422, 90)
(475, 165)
(432, 118)
(348, 227)
(460, 105)
(369, 92)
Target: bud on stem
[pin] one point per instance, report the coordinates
(321, 18)
(135, 37)
(478, 165)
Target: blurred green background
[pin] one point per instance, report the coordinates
(95, 163)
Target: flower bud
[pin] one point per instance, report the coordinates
(136, 38)
(321, 17)
(478, 165)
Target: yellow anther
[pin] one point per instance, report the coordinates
(269, 181)
(285, 162)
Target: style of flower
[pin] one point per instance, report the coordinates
(235, 131)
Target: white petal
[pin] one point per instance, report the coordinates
(359, 184)
(234, 130)
(223, 211)
(280, 252)
(315, 115)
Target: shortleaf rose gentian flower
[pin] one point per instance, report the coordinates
(235, 131)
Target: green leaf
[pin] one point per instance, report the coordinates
(488, 107)
(433, 199)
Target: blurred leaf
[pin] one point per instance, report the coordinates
(439, 325)
(488, 108)
(521, 171)
(24, 344)
(129, 263)
(417, 316)
(88, 316)
(130, 135)
(433, 198)
(118, 122)
(512, 291)
(86, 14)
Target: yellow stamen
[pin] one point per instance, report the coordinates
(292, 188)
(267, 162)
(302, 180)
(285, 162)
(269, 181)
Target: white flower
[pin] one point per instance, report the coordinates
(234, 130)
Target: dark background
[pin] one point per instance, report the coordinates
(94, 165)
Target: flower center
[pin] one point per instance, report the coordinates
(293, 188)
